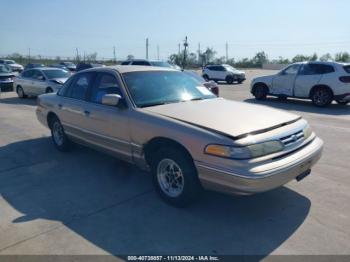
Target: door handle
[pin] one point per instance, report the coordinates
(86, 113)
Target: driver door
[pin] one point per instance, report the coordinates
(283, 83)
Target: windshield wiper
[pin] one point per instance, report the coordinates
(158, 103)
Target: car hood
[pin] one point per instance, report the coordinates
(15, 65)
(235, 119)
(59, 80)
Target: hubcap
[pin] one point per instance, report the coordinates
(170, 177)
(321, 97)
(20, 92)
(57, 132)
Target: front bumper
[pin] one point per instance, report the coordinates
(290, 167)
(6, 86)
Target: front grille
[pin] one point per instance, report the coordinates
(293, 138)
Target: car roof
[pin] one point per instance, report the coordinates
(130, 68)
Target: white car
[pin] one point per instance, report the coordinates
(12, 64)
(322, 82)
(223, 73)
(37, 81)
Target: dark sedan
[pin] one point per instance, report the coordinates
(6, 78)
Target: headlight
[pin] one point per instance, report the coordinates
(245, 152)
(307, 132)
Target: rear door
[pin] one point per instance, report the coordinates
(25, 81)
(310, 75)
(72, 105)
(283, 83)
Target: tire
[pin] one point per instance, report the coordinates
(342, 102)
(260, 92)
(49, 90)
(20, 92)
(59, 138)
(240, 81)
(322, 96)
(282, 98)
(206, 78)
(229, 80)
(166, 165)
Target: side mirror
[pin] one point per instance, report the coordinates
(111, 99)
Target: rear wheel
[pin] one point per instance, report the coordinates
(260, 91)
(49, 90)
(20, 92)
(322, 96)
(342, 102)
(58, 135)
(175, 177)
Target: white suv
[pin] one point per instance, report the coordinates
(223, 73)
(322, 82)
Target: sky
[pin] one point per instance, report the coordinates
(280, 28)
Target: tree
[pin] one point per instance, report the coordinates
(209, 55)
(342, 57)
(130, 57)
(314, 57)
(326, 57)
(260, 58)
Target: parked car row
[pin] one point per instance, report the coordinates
(166, 121)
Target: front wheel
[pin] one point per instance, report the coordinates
(20, 92)
(229, 80)
(175, 177)
(260, 92)
(58, 135)
(49, 90)
(342, 102)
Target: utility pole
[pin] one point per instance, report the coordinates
(199, 52)
(114, 57)
(179, 52)
(147, 48)
(185, 53)
(29, 54)
(226, 52)
(77, 51)
(157, 52)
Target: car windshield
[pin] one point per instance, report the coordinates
(52, 74)
(10, 62)
(230, 68)
(5, 69)
(194, 75)
(161, 64)
(153, 88)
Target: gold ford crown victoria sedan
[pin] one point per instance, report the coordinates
(166, 121)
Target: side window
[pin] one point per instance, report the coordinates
(105, 84)
(125, 63)
(221, 68)
(316, 69)
(79, 87)
(37, 75)
(65, 87)
(292, 70)
(145, 63)
(27, 74)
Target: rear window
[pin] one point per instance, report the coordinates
(347, 68)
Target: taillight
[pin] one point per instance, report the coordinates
(345, 79)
